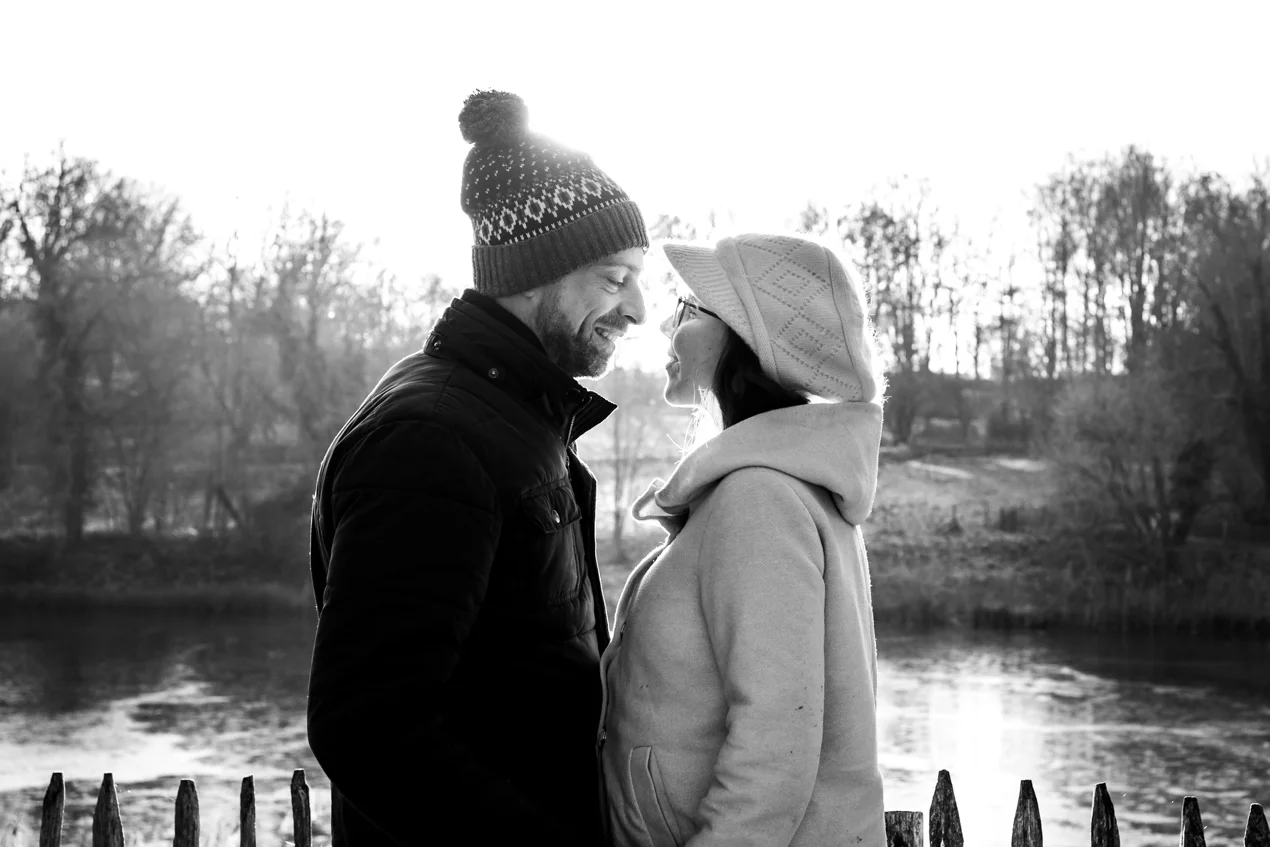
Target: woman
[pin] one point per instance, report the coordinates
(740, 684)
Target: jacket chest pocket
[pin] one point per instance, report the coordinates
(553, 539)
(551, 509)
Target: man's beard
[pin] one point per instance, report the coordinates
(578, 353)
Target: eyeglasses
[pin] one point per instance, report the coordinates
(684, 307)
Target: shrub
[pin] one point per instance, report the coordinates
(1126, 447)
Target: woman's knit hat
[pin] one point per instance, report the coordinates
(795, 304)
(539, 210)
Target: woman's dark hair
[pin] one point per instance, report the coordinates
(741, 388)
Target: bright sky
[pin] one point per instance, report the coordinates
(352, 108)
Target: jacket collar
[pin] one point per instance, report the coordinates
(491, 307)
(482, 336)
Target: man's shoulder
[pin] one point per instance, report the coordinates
(426, 389)
(427, 408)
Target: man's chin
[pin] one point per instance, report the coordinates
(589, 363)
(597, 358)
(597, 367)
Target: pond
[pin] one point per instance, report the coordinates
(155, 698)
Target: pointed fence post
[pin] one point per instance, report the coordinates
(337, 813)
(247, 813)
(1192, 825)
(107, 827)
(1257, 833)
(1027, 818)
(51, 819)
(945, 821)
(300, 809)
(1102, 825)
(903, 829)
(186, 815)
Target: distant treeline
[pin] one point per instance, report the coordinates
(152, 381)
(1135, 349)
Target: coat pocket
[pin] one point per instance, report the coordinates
(552, 538)
(649, 791)
(551, 509)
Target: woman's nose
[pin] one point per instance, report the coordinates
(667, 326)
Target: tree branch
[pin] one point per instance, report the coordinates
(1223, 336)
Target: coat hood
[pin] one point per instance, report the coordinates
(832, 445)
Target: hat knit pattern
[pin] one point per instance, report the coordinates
(539, 210)
(795, 304)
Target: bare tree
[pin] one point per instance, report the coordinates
(1228, 263)
(1053, 219)
(69, 220)
(897, 246)
(57, 213)
(143, 359)
(1138, 192)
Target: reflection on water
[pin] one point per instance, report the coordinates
(154, 699)
(1155, 720)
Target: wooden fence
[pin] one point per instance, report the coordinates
(108, 825)
(903, 829)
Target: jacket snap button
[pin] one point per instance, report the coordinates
(493, 373)
(555, 516)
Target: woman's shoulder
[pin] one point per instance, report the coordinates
(756, 516)
(747, 490)
(761, 479)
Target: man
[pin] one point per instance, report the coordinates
(454, 695)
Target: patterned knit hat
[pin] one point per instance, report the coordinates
(795, 305)
(539, 210)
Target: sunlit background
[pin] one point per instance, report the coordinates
(731, 117)
(745, 110)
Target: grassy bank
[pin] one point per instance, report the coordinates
(262, 599)
(938, 555)
(1070, 582)
(191, 574)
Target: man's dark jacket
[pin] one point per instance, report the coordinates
(454, 695)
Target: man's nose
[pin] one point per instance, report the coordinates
(633, 305)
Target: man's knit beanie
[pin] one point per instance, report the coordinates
(539, 210)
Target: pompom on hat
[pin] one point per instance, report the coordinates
(539, 210)
(794, 303)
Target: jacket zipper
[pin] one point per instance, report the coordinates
(601, 737)
(568, 436)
